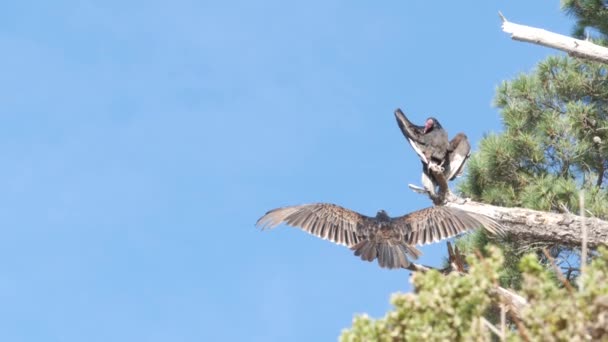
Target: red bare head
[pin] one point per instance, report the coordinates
(429, 124)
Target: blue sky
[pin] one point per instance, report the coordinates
(141, 141)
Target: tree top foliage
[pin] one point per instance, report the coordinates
(589, 14)
(555, 141)
(452, 309)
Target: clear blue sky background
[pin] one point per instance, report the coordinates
(141, 140)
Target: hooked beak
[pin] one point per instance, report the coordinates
(428, 125)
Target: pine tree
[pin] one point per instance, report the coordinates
(554, 145)
(555, 141)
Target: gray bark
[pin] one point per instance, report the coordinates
(531, 226)
(527, 225)
(574, 47)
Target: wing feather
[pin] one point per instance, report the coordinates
(413, 133)
(325, 220)
(459, 151)
(389, 240)
(418, 150)
(437, 223)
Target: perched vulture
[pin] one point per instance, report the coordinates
(431, 144)
(388, 239)
(429, 141)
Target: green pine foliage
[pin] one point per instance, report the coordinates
(450, 308)
(555, 141)
(554, 144)
(588, 13)
(557, 313)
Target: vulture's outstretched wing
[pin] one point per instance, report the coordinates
(438, 223)
(369, 237)
(325, 220)
(428, 144)
(390, 240)
(413, 134)
(459, 151)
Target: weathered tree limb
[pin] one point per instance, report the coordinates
(574, 47)
(529, 225)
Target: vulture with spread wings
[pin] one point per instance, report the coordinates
(388, 239)
(431, 144)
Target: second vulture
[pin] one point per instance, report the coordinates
(432, 146)
(389, 239)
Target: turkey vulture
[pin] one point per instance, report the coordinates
(429, 141)
(432, 140)
(389, 239)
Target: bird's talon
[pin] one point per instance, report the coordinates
(436, 168)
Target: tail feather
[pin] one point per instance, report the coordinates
(411, 251)
(389, 254)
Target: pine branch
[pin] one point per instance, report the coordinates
(558, 273)
(574, 47)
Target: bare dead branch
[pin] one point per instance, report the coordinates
(533, 226)
(503, 322)
(529, 226)
(584, 236)
(521, 329)
(455, 259)
(559, 273)
(574, 47)
(492, 328)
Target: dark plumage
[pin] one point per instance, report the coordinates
(432, 146)
(388, 239)
(429, 141)
(459, 151)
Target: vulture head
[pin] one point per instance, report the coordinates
(382, 215)
(430, 124)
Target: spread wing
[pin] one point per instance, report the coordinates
(437, 223)
(368, 237)
(458, 153)
(325, 220)
(389, 240)
(413, 134)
